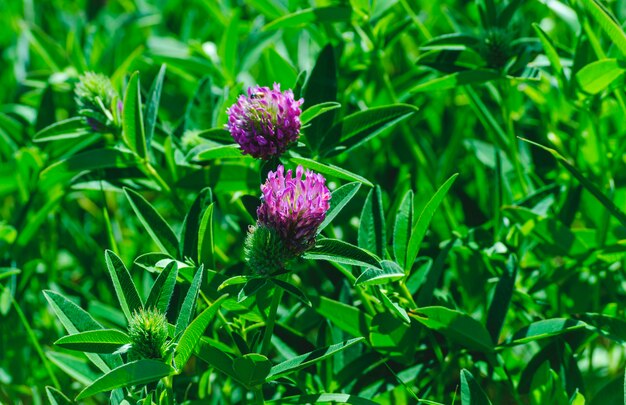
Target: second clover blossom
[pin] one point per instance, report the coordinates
(291, 211)
(265, 122)
(294, 206)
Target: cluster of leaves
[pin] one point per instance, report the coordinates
(474, 248)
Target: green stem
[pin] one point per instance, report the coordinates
(169, 383)
(407, 294)
(150, 170)
(33, 339)
(271, 321)
(258, 396)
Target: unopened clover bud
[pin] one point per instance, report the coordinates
(148, 332)
(98, 101)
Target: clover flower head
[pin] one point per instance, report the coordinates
(294, 206)
(265, 122)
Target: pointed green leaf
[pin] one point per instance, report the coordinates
(123, 284)
(335, 250)
(236, 280)
(311, 16)
(402, 229)
(597, 76)
(293, 290)
(372, 235)
(219, 135)
(608, 23)
(94, 341)
(206, 249)
(330, 170)
(189, 245)
(577, 399)
(419, 230)
(76, 367)
(76, 320)
(457, 326)
(216, 358)
(316, 110)
(394, 307)
(132, 122)
(305, 360)
(71, 128)
(499, 306)
(346, 317)
(339, 198)
(389, 271)
(550, 51)
(608, 326)
(362, 126)
(8, 272)
(544, 329)
(457, 79)
(134, 373)
(471, 393)
(152, 104)
(66, 170)
(217, 152)
(251, 287)
(189, 304)
(153, 222)
(162, 289)
(252, 369)
(192, 334)
(56, 397)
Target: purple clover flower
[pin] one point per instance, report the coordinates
(265, 122)
(294, 207)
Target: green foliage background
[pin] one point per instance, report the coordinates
(517, 288)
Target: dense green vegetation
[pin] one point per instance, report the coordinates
(473, 251)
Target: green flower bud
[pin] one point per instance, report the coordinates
(148, 332)
(496, 47)
(98, 101)
(264, 250)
